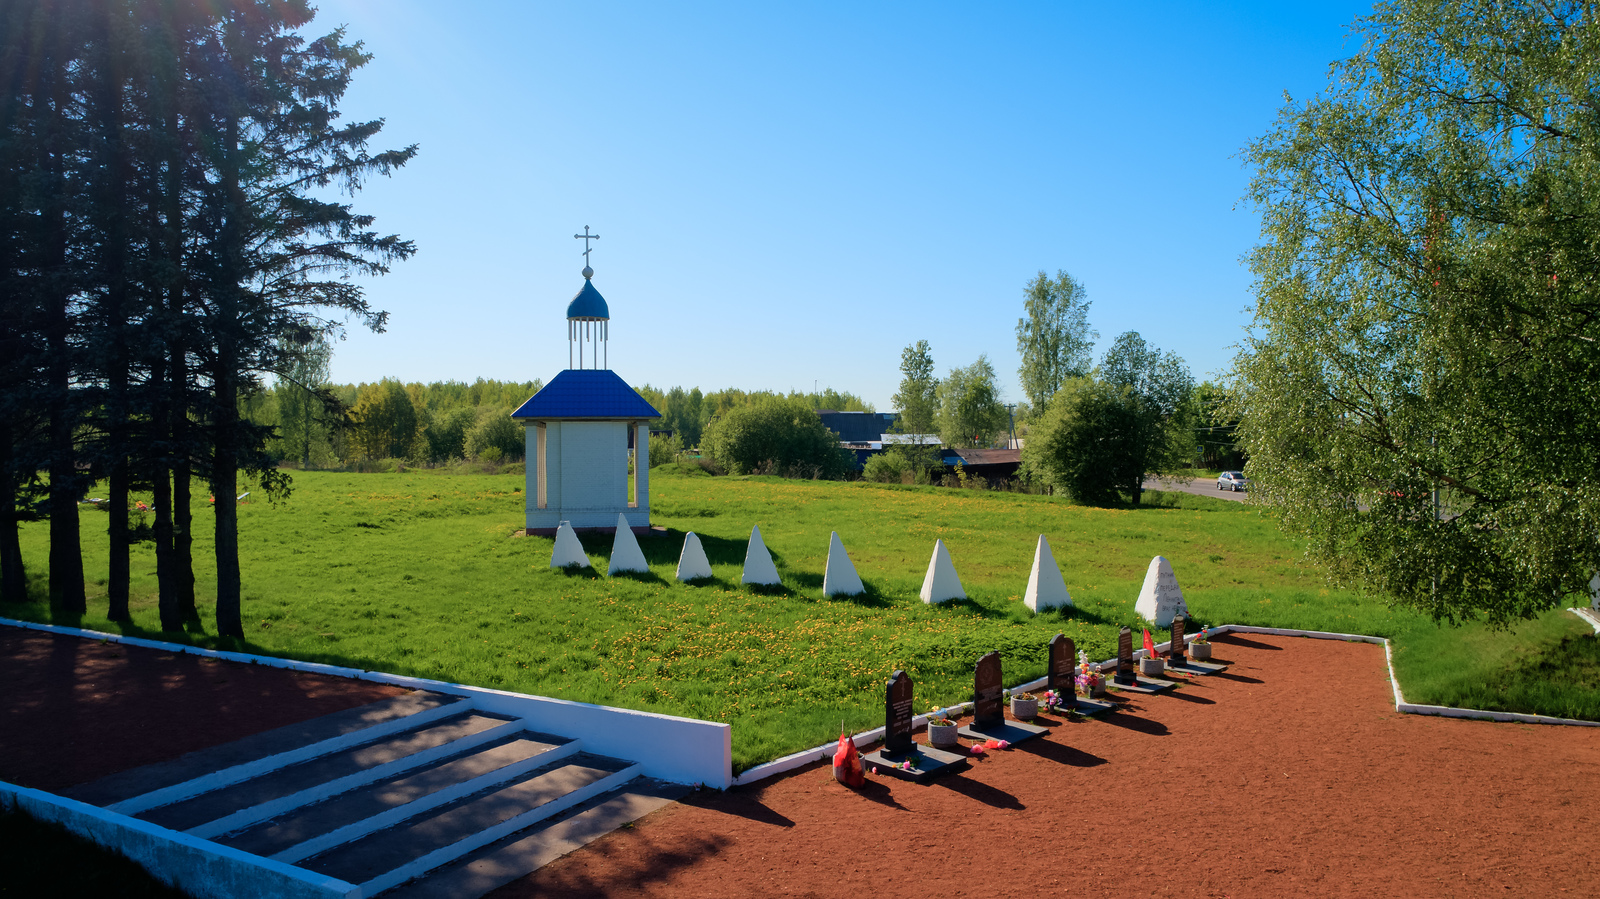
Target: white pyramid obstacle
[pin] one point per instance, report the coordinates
(758, 567)
(692, 562)
(1047, 589)
(840, 579)
(1160, 599)
(941, 582)
(625, 553)
(568, 552)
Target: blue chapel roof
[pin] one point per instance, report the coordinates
(586, 393)
(588, 304)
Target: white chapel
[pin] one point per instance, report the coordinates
(584, 428)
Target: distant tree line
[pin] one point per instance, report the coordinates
(170, 232)
(424, 424)
(687, 413)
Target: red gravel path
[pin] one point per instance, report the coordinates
(74, 710)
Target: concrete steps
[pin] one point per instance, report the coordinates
(380, 796)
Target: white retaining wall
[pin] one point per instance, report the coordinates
(196, 866)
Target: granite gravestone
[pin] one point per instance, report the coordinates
(989, 710)
(1125, 671)
(897, 715)
(1179, 654)
(988, 693)
(1063, 665)
(900, 756)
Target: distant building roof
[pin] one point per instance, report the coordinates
(586, 393)
(588, 305)
(990, 456)
(857, 427)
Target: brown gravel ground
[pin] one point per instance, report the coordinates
(74, 710)
(1288, 775)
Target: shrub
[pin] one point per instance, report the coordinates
(777, 436)
(888, 467)
(664, 449)
(496, 437)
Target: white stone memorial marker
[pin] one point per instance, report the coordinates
(625, 553)
(840, 579)
(758, 567)
(692, 562)
(1159, 598)
(568, 552)
(941, 582)
(1047, 589)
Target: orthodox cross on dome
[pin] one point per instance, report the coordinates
(586, 237)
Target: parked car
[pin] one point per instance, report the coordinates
(1233, 480)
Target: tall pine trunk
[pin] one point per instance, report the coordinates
(113, 212)
(224, 383)
(66, 554)
(13, 578)
(183, 510)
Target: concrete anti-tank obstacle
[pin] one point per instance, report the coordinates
(1160, 599)
(625, 552)
(692, 562)
(758, 567)
(568, 552)
(840, 579)
(941, 582)
(1047, 589)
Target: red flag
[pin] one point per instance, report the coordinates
(1149, 646)
(847, 763)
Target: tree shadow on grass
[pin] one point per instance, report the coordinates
(870, 598)
(974, 607)
(640, 577)
(1074, 613)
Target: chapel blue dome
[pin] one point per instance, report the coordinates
(588, 305)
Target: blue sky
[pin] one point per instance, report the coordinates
(791, 194)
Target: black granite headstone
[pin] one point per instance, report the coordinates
(1125, 670)
(1180, 650)
(897, 714)
(1063, 664)
(988, 693)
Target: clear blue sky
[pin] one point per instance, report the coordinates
(790, 194)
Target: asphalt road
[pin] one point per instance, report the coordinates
(1197, 486)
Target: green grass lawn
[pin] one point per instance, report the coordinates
(417, 572)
